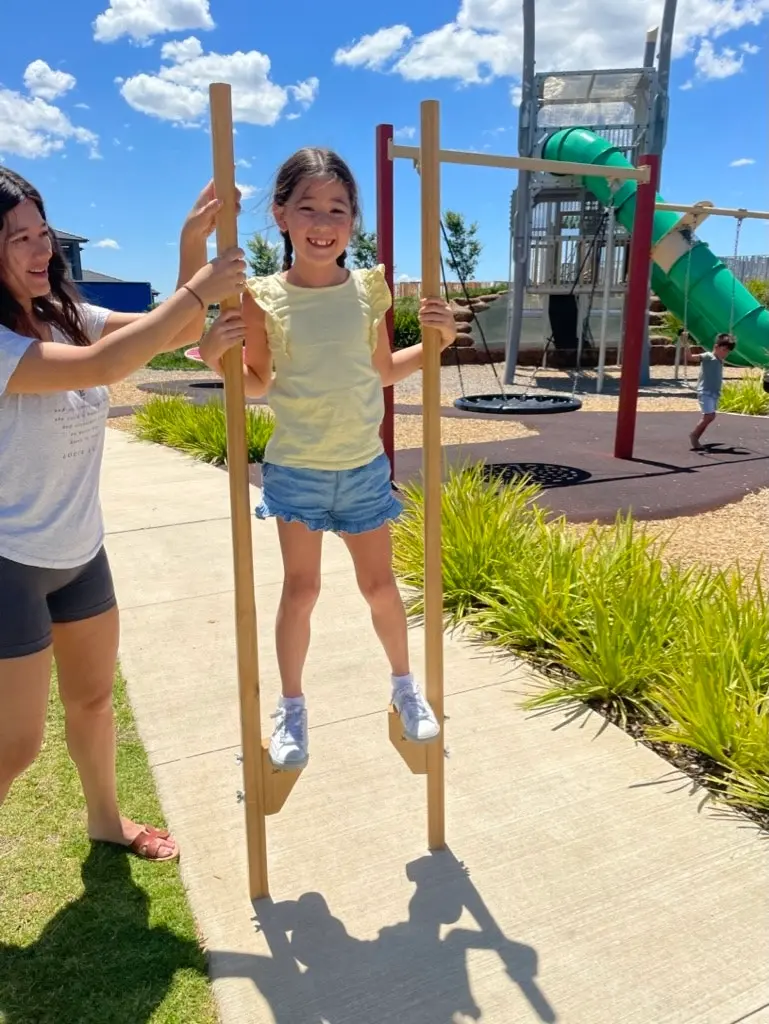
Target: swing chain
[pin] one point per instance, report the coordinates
(735, 257)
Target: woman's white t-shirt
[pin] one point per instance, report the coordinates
(51, 448)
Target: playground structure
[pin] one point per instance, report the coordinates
(571, 233)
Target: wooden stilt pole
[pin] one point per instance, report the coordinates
(386, 254)
(220, 99)
(430, 174)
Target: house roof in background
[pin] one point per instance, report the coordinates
(94, 276)
(65, 236)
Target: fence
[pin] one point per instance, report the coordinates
(744, 268)
(412, 289)
(748, 268)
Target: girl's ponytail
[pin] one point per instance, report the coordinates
(288, 251)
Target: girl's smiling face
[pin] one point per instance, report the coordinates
(319, 220)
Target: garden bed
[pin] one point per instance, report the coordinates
(678, 657)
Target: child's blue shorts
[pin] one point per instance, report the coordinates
(340, 501)
(708, 402)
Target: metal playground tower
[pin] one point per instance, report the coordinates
(569, 254)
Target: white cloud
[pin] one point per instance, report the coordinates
(242, 162)
(744, 161)
(710, 64)
(82, 106)
(407, 132)
(41, 80)
(140, 20)
(305, 92)
(32, 128)
(106, 243)
(178, 92)
(516, 94)
(485, 39)
(180, 50)
(246, 191)
(687, 85)
(373, 51)
(750, 48)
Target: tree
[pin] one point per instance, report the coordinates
(264, 258)
(363, 249)
(464, 249)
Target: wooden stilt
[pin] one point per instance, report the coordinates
(220, 99)
(430, 175)
(414, 754)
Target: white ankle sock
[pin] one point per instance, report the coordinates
(293, 702)
(400, 681)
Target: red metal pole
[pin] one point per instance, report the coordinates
(637, 309)
(386, 254)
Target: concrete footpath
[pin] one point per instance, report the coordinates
(583, 883)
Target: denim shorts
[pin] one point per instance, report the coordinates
(339, 501)
(708, 402)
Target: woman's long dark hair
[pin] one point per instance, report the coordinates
(313, 162)
(59, 307)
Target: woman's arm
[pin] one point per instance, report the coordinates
(396, 366)
(50, 366)
(198, 226)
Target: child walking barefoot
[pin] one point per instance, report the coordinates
(316, 343)
(709, 384)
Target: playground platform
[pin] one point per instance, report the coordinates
(584, 881)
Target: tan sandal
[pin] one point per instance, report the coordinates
(150, 841)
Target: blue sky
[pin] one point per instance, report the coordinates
(102, 106)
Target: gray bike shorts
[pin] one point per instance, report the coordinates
(32, 599)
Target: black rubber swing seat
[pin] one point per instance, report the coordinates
(517, 405)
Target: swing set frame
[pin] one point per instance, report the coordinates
(646, 175)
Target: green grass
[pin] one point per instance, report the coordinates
(683, 653)
(175, 360)
(407, 329)
(199, 430)
(89, 934)
(746, 395)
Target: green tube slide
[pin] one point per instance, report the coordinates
(717, 302)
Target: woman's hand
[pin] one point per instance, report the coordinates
(201, 220)
(227, 330)
(222, 277)
(437, 313)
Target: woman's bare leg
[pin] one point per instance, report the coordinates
(24, 687)
(86, 660)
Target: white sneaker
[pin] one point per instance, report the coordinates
(289, 741)
(419, 723)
